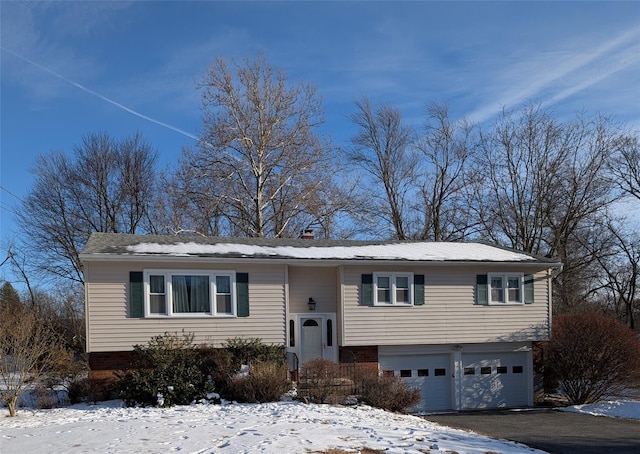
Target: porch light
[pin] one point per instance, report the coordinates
(312, 304)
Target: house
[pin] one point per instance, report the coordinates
(457, 320)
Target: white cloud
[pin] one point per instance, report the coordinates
(552, 76)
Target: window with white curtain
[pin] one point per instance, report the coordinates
(192, 293)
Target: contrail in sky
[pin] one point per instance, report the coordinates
(98, 95)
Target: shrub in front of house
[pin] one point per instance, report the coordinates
(171, 370)
(245, 351)
(322, 381)
(592, 357)
(262, 381)
(265, 365)
(386, 391)
(167, 371)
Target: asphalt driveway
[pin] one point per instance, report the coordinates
(550, 430)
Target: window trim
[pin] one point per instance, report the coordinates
(392, 289)
(505, 289)
(168, 273)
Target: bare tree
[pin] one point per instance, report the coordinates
(105, 186)
(190, 202)
(521, 157)
(381, 148)
(448, 148)
(617, 251)
(546, 186)
(27, 350)
(626, 167)
(260, 163)
(581, 196)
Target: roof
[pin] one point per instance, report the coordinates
(109, 246)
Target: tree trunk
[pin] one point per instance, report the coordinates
(11, 405)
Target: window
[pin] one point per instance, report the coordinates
(505, 288)
(194, 293)
(292, 333)
(439, 372)
(223, 295)
(423, 372)
(157, 298)
(405, 373)
(393, 288)
(501, 369)
(517, 369)
(485, 370)
(469, 370)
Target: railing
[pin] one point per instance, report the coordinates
(293, 363)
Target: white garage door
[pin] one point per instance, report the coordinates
(431, 374)
(494, 380)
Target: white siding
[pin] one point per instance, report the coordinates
(449, 314)
(109, 328)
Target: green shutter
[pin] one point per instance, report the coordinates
(528, 289)
(482, 289)
(418, 289)
(367, 290)
(136, 295)
(242, 294)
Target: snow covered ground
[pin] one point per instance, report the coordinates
(283, 427)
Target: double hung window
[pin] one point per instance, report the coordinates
(194, 293)
(393, 288)
(505, 288)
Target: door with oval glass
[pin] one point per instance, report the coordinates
(312, 342)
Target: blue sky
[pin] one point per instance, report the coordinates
(70, 68)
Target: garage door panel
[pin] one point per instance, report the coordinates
(494, 380)
(431, 374)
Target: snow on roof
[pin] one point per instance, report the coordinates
(414, 251)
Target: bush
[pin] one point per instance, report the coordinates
(218, 364)
(79, 390)
(592, 356)
(247, 351)
(222, 365)
(68, 371)
(388, 392)
(168, 371)
(321, 382)
(265, 381)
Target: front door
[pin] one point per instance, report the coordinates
(311, 339)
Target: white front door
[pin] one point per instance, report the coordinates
(311, 339)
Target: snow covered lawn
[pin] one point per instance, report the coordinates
(283, 428)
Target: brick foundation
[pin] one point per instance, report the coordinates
(103, 367)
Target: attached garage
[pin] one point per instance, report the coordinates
(491, 380)
(467, 377)
(431, 374)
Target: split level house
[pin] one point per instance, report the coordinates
(456, 320)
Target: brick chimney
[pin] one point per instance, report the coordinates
(307, 234)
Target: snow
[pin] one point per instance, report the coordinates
(415, 251)
(615, 408)
(282, 427)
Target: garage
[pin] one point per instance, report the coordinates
(491, 380)
(431, 374)
(471, 376)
